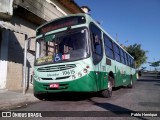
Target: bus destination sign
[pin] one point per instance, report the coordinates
(46, 59)
(60, 23)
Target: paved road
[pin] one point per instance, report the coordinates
(144, 96)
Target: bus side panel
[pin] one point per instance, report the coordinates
(123, 74)
(118, 77)
(101, 75)
(109, 67)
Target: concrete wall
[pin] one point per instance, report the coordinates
(45, 9)
(3, 57)
(6, 10)
(16, 53)
(12, 44)
(61, 7)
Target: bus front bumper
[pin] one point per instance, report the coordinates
(84, 84)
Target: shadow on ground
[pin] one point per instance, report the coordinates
(73, 96)
(115, 110)
(157, 81)
(144, 80)
(66, 96)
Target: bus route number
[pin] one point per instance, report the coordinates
(68, 72)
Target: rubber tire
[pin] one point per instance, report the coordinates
(130, 85)
(107, 93)
(40, 96)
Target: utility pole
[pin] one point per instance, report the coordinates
(25, 64)
(26, 46)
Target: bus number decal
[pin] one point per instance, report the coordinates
(68, 72)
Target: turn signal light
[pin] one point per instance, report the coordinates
(87, 66)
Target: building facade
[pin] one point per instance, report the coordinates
(19, 18)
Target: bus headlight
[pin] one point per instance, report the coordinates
(36, 77)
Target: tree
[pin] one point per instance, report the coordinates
(155, 64)
(138, 53)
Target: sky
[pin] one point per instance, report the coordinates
(134, 21)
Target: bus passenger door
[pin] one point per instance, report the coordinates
(97, 54)
(97, 60)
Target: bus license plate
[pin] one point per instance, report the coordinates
(55, 85)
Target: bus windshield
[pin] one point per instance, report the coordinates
(61, 47)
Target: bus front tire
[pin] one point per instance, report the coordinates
(108, 92)
(39, 96)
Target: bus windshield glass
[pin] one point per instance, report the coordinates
(61, 47)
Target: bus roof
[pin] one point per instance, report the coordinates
(89, 19)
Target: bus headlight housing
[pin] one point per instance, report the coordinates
(37, 78)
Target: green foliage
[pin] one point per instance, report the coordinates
(155, 64)
(138, 53)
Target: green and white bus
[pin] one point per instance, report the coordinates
(74, 54)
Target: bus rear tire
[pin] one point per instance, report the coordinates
(130, 85)
(108, 92)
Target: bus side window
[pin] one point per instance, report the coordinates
(126, 59)
(108, 47)
(122, 56)
(134, 65)
(117, 52)
(96, 44)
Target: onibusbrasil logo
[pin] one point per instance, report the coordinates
(21, 114)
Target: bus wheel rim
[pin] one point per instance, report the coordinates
(110, 86)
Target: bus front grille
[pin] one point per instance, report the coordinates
(58, 78)
(56, 68)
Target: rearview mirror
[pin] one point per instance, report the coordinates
(31, 45)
